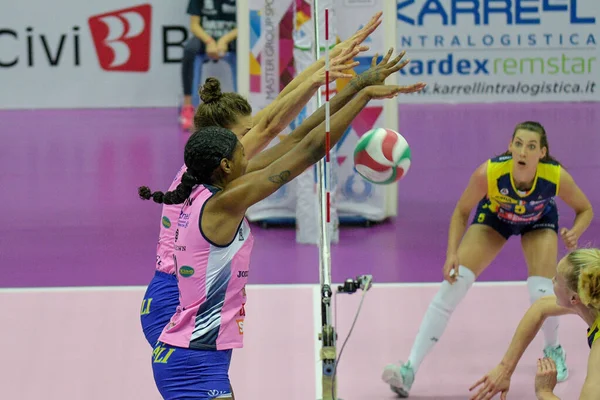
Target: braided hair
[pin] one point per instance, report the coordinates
(203, 153)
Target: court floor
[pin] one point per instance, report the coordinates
(86, 343)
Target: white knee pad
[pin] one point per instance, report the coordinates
(450, 295)
(538, 286)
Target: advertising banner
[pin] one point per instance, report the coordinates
(472, 51)
(77, 54)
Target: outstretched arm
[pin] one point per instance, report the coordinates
(340, 48)
(529, 326)
(283, 112)
(251, 188)
(498, 379)
(375, 75)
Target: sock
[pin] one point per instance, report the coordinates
(539, 286)
(438, 314)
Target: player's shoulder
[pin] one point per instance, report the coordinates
(550, 163)
(480, 175)
(503, 158)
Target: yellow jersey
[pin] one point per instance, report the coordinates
(517, 207)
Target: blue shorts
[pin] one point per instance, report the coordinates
(160, 303)
(483, 216)
(191, 374)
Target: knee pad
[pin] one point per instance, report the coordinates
(538, 287)
(450, 295)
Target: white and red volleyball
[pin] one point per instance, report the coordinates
(382, 156)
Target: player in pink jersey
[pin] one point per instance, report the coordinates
(213, 241)
(232, 111)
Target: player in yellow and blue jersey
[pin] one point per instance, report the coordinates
(577, 288)
(513, 195)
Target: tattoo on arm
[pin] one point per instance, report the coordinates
(367, 78)
(280, 179)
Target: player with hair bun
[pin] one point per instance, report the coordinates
(233, 112)
(213, 242)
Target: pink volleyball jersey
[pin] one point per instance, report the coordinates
(166, 237)
(212, 281)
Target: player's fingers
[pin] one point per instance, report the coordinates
(479, 382)
(343, 67)
(540, 366)
(387, 56)
(482, 392)
(399, 66)
(411, 89)
(345, 58)
(370, 26)
(490, 395)
(339, 75)
(374, 60)
(396, 59)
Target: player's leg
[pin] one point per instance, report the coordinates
(481, 244)
(192, 374)
(540, 247)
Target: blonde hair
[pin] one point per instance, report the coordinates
(585, 276)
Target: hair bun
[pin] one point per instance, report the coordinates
(144, 192)
(210, 92)
(589, 280)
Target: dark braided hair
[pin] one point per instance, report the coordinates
(203, 153)
(177, 196)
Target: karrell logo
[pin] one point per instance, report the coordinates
(122, 38)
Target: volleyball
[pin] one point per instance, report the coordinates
(382, 156)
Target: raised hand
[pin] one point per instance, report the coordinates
(338, 65)
(377, 74)
(358, 37)
(391, 91)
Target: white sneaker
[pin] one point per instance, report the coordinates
(400, 378)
